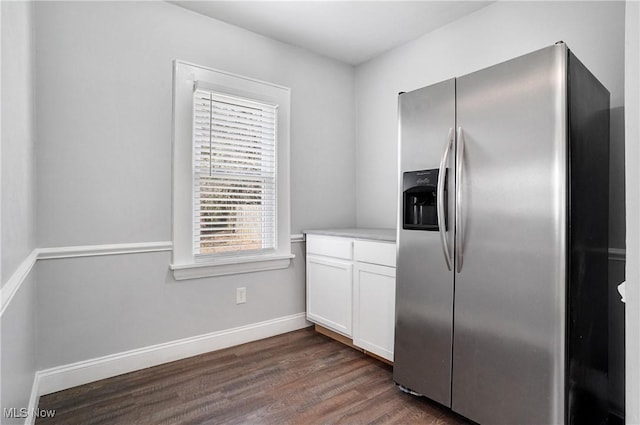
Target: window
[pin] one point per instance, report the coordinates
(231, 174)
(234, 172)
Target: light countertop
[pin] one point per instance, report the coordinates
(386, 235)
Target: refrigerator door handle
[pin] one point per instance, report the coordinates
(442, 173)
(459, 230)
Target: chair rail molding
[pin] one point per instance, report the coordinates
(9, 289)
(107, 249)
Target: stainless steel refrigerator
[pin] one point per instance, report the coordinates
(501, 303)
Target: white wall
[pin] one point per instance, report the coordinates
(503, 30)
(104, 172)
(17, 323)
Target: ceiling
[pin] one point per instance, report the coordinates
(349, 31)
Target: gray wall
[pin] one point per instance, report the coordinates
(17, 324)
(95, 306)
(18, 194)
(104, 118)
(19, 349)
(104, 172)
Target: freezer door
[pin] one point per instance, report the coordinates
(508, 349)
(424, 289)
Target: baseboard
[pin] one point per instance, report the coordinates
(68, 376)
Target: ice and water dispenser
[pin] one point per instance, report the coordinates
(420, 209)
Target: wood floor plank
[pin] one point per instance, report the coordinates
(300, 377)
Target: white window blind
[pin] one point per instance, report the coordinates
(234, 174)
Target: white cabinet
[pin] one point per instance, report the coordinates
(329, 300)
(351, 290)
(329, 283)
(374, 290)
(374, 293)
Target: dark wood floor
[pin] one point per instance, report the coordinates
(297, 378)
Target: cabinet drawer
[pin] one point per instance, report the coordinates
(383, 253)
(330, 246)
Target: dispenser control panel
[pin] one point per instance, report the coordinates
(420, 208)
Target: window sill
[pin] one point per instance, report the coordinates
(230, 266)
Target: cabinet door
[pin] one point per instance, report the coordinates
(329, 293)
(374, 308)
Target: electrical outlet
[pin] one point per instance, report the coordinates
(241, 295)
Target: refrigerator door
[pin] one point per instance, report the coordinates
(508, 350)
(424, 289)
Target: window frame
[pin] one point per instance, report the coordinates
(185, 264)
